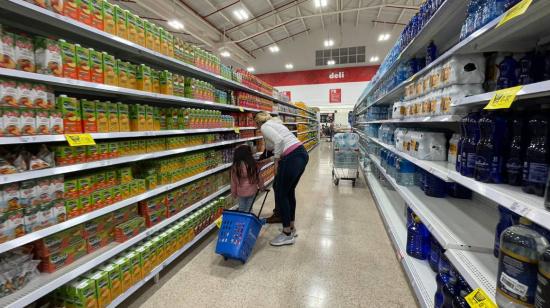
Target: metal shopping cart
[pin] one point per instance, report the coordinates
(345, 157)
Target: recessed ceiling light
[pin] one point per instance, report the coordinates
(240, 14)
(250, 69)
(274, 49)
(384, 37)
(374, 59)
(329, 43)
(225, 54)
(289, 66)
(331, 62)
(320, 3)
(175, 24)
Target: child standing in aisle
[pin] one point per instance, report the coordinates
(245, 178)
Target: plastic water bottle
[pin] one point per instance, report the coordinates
(418, 239)
(435, 253)
(458, 191)
(515, 155)
(542, 298)
(442, 279)
(470, 19)
(461, 140)
(405, 172)
(520, 250)
(459, 300)
(451, 288)
(468, 155)
(431, 53)
(434, 186)
(537, 156)
(489, 166)
(478, 15)
(507, 219)
(526, 70)
(508, 73)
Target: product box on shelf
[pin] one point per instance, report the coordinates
(89, 116)
(96, 8)
(101, 281)
(120, 22)
(96, 66)
(85, 11)
(68, 59)
(8, 49)
(63, 257)
(125, 265)
(109, 23)
(110, 70)
(24, 53)
(47, 55)
(79, 293)
(115, 278)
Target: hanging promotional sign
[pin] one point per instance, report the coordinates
(335, 96)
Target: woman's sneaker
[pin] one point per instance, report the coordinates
(293, 232)
(283, 239)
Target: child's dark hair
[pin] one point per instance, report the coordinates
(243, 154)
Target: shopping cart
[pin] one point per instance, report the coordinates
(345, 157)
(238, 233)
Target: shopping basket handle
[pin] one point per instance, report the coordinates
(263, 203)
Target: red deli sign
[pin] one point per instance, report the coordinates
(335, 96)
(335, 75)
(287, 94)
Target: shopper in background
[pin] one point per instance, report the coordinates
(276, 217)
(291, 159)
(245, 178)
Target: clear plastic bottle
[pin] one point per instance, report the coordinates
(507, 219)
(520, 250)
(542, 298)
(405, 172)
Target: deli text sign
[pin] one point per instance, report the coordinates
(334, 75)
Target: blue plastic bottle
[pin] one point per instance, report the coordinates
(467, 27)
(458, 191)
(468, 155)
(450, 289)
(478, 15)
(507, 219)
(508, 73)
(463, 136)
(537, 156)
(516, 151)
(405, 172)
(435, 253)
(489, 166)
(459, 300)
(434, 186)
(431, 53)
(442, 278)
(526, 69)
(418, 239)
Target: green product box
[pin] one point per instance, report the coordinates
(85, 204)
(103, 150)
(101, 281)
(81, 293)
(115, 278)
(110, 176)
(124, 175)
(113, 149)
(125, 265)
(123, 117)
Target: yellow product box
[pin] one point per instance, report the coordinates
(125, 266)
(123, 117)
(80, 293)
(156, 119)
(149, 120)
(113, 117)
(165, 249)
(122, 73)
(120, 22)
(140, 23)
(102, 113)
(110, 71)
(163, 41)
(135, 265)
(145, 261)
(149, 36)
(155, 81)
(101, 280)
(115, 278)
(152, 254)
(137, 118)
(131, 26)
(131, 73)
(109, 24)
(143, 78)
(166, 85)
(156, 37)
(169, 41)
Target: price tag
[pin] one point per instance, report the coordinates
(503, 99)
(237, 130)
(77, 140)
(515, 11)
(219, 222)
(241, 109)
(479, 299)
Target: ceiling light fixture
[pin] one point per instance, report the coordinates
(225, 54)
(374, 59)
(329, 43)
(289, 66)
(383, 37)
(331, 62)
(320, 3)
(240, 14)
(175, 24)
(250, 69)
(274, 49)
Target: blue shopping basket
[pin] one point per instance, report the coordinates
(238, 233)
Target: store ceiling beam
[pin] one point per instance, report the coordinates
(221, 9)
(277, 41)
(299, 11)
(277, 16)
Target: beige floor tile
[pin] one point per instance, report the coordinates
(342, 258)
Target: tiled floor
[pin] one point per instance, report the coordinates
(342, 258)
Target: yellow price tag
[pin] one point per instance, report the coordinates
(241, 109)
(237, 130)
(77, 140)
(479, 299)
(219, 222)
(503, 99)
(515, 11)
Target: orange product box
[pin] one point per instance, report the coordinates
(123, 117)
(100, 240)
(109, 24)
(85, 11)
(131, 26)
(112, 111)
(58, 241)
(79, 154)
(72, 207)
(68, 58)
(122, 73)
(85, 204)
(120, 22)
(143, 78)
(140, 24)
(71, 8)
(92, 153)
(72, 118)
(115, 278)
(110, 70)
(89, 116)
(63, 257)
(149, 120)
(96, 66)
(83, 62)
(102, 117)
(7, 52)
(149, 36)
(97, 14)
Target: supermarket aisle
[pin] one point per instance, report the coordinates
(342, 258)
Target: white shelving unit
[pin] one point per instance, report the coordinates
(427, 119)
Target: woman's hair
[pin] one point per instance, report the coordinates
(243, 155)
(262, 117)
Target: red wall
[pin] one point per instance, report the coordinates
(333, 75)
